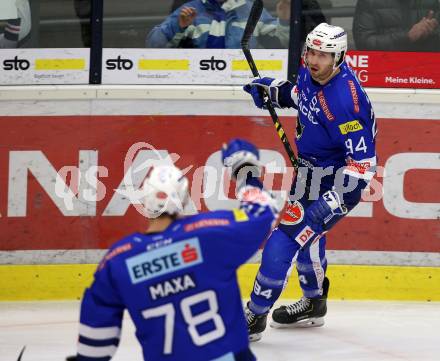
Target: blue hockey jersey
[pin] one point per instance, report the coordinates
(179, 287)
(336, 123)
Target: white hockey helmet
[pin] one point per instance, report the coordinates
(165, 190)
(329, 39)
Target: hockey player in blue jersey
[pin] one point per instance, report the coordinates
(335, 141)
(178, 279)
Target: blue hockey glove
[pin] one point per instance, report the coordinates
(323, 209)
(239, 153)
(270, 85)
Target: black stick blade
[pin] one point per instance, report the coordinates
(21, 353)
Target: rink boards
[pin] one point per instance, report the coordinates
(348, 282)
(387, 249)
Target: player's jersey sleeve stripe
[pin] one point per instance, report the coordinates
(99, 333)
(93, 351)
(98, 343)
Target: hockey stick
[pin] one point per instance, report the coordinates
(254, 16)
(21, 353)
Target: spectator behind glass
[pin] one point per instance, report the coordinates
(399, 25)
(219, 24)
(16, 30)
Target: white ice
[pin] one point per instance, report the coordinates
(384, 331)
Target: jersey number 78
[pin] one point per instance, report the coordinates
(168, 311)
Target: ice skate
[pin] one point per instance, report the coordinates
(307, 312)
(256, 324)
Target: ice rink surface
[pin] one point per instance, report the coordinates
(355, 331)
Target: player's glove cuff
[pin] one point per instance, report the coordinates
(256, 194)
(261, 88)
(334, 201)
(323, 210)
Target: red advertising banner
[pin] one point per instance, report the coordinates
(43, 160)
(396, 69)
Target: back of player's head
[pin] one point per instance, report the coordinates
(329, 39)
(165, 190)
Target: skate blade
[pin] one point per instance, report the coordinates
(310, 322)
(255, 337)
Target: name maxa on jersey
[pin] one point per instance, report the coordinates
(172, 286)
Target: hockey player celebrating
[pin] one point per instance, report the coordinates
(178, 279)
(335, 141)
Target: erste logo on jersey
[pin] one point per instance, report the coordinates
(177, 256)
(293, 214)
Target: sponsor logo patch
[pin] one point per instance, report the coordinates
(350, 127)
(319, 272)
(119, 63)
(358, 167)
(214, 222)
(324, 106)
(293, 214)
(305, 235)
(113, 253)
(240, 215)
(176, 256)
(354, 95)
(339, 35)
(212, 64)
